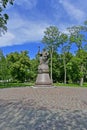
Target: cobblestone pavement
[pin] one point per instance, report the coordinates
(43, 108)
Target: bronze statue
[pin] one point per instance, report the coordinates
(43, 79)
(43, 57)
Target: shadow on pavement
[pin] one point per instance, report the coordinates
(27, 116)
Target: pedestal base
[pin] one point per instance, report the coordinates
(43, 80)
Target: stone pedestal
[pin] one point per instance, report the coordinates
(43, 79)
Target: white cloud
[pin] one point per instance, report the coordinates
(21, 31)
(26, 4)
(6, 39)
(73, 11)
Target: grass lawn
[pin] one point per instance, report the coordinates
(9, 85)
(70, 85)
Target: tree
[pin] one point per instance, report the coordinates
(57, 65)
(19, 64)
(84, 30)
(77, 37)
(51, 40)
(65, 48)
(77, 67)
(4, 17)
(82, 55)
(73, 70)
(4, 71)
(33, 69)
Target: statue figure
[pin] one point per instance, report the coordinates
(43, 79)
(43, 57)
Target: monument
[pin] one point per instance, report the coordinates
(43, 78)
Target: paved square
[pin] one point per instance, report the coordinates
(60, 108)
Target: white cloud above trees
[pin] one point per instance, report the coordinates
(28, 19)
(21, 31)
(73, 11)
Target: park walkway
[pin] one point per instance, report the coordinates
(60, 108)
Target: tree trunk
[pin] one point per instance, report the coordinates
(64, 69)
(81, 79)
(81, 82)
(51, 64)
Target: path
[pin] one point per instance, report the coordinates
(43, 108)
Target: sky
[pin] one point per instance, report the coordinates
(28, 19)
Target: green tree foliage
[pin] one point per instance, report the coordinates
(72, 67)
(76, 36)
(19, 64)
(51, 40)
(51, 37)
(3, 16)
(33, 70)
(19, 67)
(84, 30)
(67, 67)
(77, 67)
(4, 71)
(57, 65)
(73, 70)
(65, 58)
(82, 55)
(64, 48)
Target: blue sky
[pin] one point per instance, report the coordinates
(28, 20)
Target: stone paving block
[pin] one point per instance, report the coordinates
(43, 109)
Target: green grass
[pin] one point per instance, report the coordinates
(85, 84)
(70, 85)
(10, 85)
